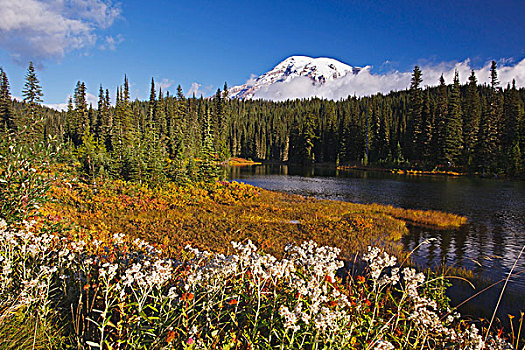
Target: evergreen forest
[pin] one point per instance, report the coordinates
(471, 128)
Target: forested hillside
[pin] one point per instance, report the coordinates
(471, 128)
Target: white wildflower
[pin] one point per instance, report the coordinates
(393, 279)
(412, 281)
(108, 271)
(290, 318)
(383, 345)
(377, 261)
(118, 238)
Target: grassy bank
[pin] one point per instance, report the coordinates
(414, 172)
(236, 161)
(209, 216)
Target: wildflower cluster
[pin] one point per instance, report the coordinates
(28, 263)
(127, 294)
(417, 320)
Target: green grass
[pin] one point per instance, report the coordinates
(21, 331)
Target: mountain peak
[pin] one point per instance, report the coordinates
(318, 69)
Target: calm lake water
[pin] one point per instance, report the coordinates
(488, 245)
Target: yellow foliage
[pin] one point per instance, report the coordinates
(209, 216)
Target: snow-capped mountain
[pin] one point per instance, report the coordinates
(318, 70)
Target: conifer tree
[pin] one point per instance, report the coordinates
(471, 119)
(126, 118)
(7, 119)
(415, 114)
(99, 126)
(308, 136)
(153, 155)
(70, 115)
(224, 150)
(440, 122)
(134, 165)
(218, 116)
(152, 105)
(515, 160)
(32, 93)
(225, 93)
(513, 113)
(81, 120)
(165, 118)
(180, 93)
(104, 120)
(220, 125)
(117, 141)
(521, 137)
(178, 169)
(428, 126)
(375, 126)
(398, 155)
(183, 128)
(487, 147)
(92, 156)
(494, 82)
(453, 138)
(92, 118)
(207, 168)
(384, 136)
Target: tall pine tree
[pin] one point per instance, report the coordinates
(453, 137)
(487, 147)
(428, 126)
(440, 122)
(415, 113)
(471, 119)
(81, 119)
(152, 104)
(32, 93)
(7, 119)
(513, 113)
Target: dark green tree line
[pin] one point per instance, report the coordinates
(472, 127)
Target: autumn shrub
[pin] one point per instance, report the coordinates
(210, 215)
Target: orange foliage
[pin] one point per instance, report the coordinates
(209, 216)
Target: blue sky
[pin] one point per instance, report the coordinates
(210, 42)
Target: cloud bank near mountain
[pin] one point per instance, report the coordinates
(367, 83)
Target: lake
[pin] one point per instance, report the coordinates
(488, 245)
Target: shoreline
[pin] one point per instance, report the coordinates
(392, 170)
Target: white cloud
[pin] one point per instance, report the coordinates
(90, 98)
(200, 90)
(111, 42)
(100, 12)
(164, 84)
(367, 83)
(58, 106)
(194, 89)
(251, 81)
(41, 29)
